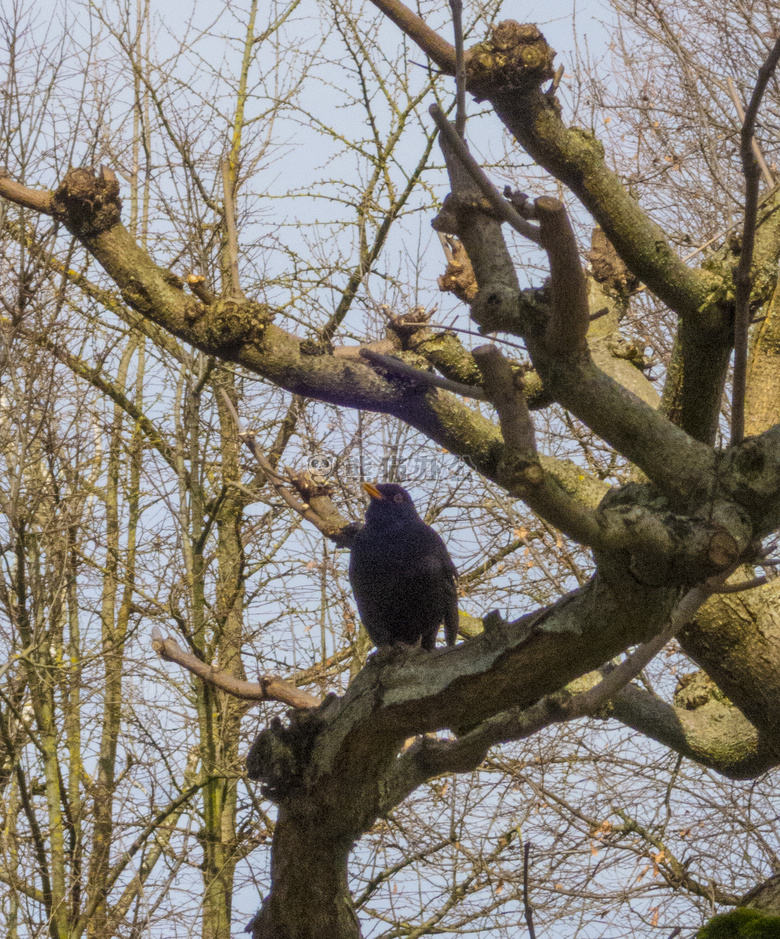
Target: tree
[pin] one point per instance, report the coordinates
(676, 521)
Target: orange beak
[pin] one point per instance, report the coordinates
(371, 489)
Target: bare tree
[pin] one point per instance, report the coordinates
(607, 516)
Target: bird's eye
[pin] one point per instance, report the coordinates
(398, 497)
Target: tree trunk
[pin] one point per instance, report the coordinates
(311, 898)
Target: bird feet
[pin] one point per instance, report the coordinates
(392, 651)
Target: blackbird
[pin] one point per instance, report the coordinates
(401, 573)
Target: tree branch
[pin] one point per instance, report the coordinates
(428, 758)
(242, 331)
(39, 200)
(425, 378)
(527, 906)
(765, 171)
(333, 526)
(743, 281)
(716, 735)
(456, 6)
(520, 466)
(576, 158)
(588, 702)
(570, 315)
(517, 428)
(269, 688)
(431, 43)
(672, 460)
(571, 155)
(232, 232)
(505, 210)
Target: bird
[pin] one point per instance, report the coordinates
(401, 573)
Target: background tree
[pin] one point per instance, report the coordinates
(128, 503)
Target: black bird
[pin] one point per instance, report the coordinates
(401, 573)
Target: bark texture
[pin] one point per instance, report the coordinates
(695, 511)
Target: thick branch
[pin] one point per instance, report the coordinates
(576, 158)
(242, 331)
(670, 457)
(430, 758)
(674, 460)
(424, 378)
(431, 43)
(716, 735)
(232, 231)
(569, 315)
(736, 640)
(517, 428)
(39, 200)
(571, 155)
(520, 468)
(469, 215)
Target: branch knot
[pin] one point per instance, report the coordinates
(88, 203)
(515, 59)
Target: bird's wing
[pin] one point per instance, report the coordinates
(440, 565)
(451, 616)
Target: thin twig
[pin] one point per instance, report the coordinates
(426, 378)
(460, 69)
(529, 913)
(277, 481)
(501, 207)
(733, 94)
(334, 530)
(479, 335)
(742, 277)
